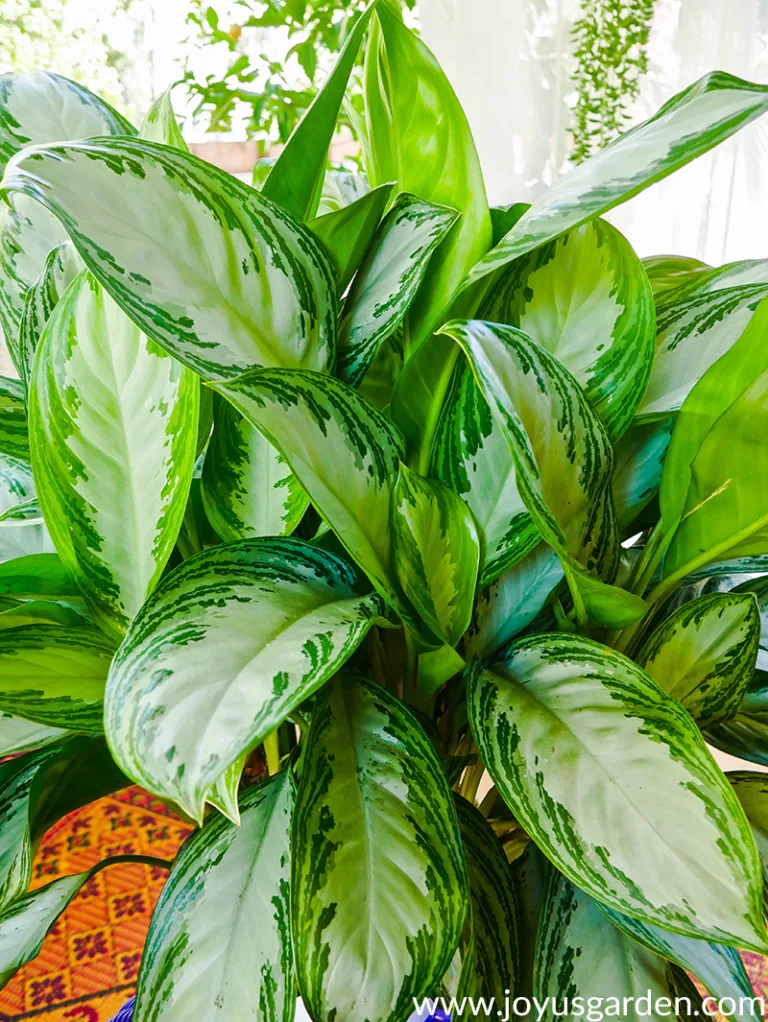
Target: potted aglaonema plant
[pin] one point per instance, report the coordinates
(450, 519)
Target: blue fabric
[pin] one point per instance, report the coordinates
(126, 1012)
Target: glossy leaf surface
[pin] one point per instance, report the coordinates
(220, 934)
(221, 278)
(538, 715)
(222, 651)
(379, 888)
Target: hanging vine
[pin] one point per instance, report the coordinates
(611, 40)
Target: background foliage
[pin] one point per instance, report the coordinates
(267, 88)
(610, 41)
(79, 42)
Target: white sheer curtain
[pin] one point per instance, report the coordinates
(511, 61)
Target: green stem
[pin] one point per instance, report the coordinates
(641, 575)
(410, 673)
(300, 721)
(649, 560)
(272, 752)
(579, 607)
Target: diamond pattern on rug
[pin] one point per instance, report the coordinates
(89, 962)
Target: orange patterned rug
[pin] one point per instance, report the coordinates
(88, 966)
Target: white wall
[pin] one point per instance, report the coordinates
(510, 62)
(507, 61)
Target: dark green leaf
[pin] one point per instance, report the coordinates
(347, 232)
(296, 180)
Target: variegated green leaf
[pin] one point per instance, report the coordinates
(379, 382)
(16, 482)
(562, 455)
(689, 124)
(746, 734)
(21, 539)
(296, 180)
(388, 280)
(28, 233)
(227, 645)
(160, 124)
(436, 552)
(25, 923)
(587, 300)
(16, 848)
(19, 735)
(539, 716)
(28, 512)
(14, 436)
(741, 569)
(341, 188)
(705, 653)
(714, 488)
(529, 875)
(55, 675)
(693, 333)
(427, 153)
(38, 107)
(462, 978)
(722, 577)
(223, 795)
(60, 269)
(379, 886)
(738, 274)
(471, 456)
(39, 611)
(494, 907)
(419, 390)
(639, 461)
(758, 587)
(347, 232)
(751, 789)
(221, 278)
(341, 449)
(248, 490)
(113, 424)
(718, 967)
(666, 272)
(37, 790)
(581, 955)
(220, 940)
(509, 604)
